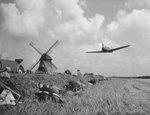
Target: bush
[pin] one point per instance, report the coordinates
(68, 72)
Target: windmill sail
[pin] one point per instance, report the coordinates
(50, 68)
(52, 47)
(34, 64)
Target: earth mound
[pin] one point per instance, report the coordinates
(107, 97)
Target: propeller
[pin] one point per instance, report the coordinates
(102, 44)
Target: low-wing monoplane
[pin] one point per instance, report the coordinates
(106, 49)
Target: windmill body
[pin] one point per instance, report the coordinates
(45, 61)
(45, 64)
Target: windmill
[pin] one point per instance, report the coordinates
(45, 61)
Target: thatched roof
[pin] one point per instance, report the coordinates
(9, 63)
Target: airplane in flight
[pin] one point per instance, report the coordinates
(106, 49)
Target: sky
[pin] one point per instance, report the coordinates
(80, 25)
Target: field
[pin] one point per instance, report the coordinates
(107, 97)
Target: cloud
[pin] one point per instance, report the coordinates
(133, 28)
(23, 17)
(42, 21)
(82, 3)
(77, 34)
(137, 3)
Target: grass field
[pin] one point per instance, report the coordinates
(108, 97)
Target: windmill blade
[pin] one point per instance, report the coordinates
(52, 47)
(34, 64)
(54, 66)
(36, 49)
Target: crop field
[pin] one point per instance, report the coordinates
(107, 97)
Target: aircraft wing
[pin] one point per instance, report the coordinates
(95, 52)
(119, 48)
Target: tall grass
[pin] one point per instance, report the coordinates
(112, 97)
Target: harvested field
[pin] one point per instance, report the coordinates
(108, 97)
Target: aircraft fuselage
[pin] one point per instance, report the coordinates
(106, 50)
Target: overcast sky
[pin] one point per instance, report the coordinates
(80, 25)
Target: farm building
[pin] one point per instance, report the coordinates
(12, 66)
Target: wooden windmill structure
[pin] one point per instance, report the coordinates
(45, 61)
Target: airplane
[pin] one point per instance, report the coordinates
(106, 49)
